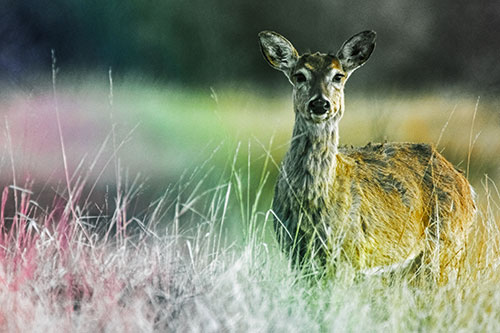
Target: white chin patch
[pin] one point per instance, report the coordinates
(318, 117)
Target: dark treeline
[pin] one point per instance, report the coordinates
(420, 43)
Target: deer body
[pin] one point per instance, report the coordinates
(374, 206)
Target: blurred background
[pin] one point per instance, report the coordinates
(420, 43)
(189, 84)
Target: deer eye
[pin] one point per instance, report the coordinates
(299, 77)
(337, 78)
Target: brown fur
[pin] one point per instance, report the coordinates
(411, 198)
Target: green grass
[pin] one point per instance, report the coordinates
(202, 256)
(192, 275)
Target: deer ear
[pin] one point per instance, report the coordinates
(356, 50)
(278, 51)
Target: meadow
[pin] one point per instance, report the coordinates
(135, 206)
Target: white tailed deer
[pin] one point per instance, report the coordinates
(378, 206)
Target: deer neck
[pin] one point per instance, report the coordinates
(311, 161)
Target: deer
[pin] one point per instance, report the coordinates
(381, 207)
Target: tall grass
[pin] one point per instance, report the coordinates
(61, 269)
(203, 256)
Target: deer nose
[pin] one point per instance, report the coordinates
(319, 106)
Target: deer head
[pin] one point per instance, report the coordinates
(318, 79)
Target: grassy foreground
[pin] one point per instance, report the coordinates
(202, 256)
(63, 270)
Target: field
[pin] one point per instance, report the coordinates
(133, 206)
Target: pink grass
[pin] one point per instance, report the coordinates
(56, 272)
(59, 270)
